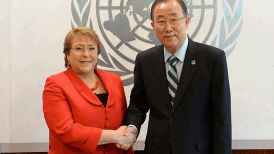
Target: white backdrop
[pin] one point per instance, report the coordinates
(32, 35)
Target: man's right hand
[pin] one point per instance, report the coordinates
(130, 133)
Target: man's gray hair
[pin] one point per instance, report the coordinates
(181, 2)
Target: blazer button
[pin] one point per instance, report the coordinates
(168, 142)
(171, 120)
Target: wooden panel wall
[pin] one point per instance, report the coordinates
(233, 152)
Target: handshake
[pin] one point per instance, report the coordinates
(125, 137)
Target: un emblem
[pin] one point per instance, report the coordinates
(125, 30)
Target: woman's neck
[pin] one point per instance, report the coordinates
(89, 79)
(87, 76)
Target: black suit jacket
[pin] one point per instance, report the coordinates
(199, 122)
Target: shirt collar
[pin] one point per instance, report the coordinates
(180, 54)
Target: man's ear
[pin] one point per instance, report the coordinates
(187, 21)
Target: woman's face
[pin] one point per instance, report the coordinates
(83, 55)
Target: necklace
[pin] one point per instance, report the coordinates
(96, 85)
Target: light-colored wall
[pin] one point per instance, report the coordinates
(5, 67)
(251, 73)
(32, 34)
(37, 30)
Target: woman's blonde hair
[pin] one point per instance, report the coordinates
(76, 32)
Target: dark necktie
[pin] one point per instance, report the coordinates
(172, 77)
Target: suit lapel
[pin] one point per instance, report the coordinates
(187, 72)
(82, 88)
(160, 72)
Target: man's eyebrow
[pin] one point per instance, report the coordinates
(159, 16)
(172, 14)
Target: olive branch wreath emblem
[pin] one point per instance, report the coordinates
(231, 20)
(230, 29)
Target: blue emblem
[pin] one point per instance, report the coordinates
(193, 62)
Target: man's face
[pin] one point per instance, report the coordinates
(171, 35)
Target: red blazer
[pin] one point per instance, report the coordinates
(76, 117)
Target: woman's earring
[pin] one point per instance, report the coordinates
(68, 63)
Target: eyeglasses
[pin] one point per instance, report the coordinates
(81, 49)
(173, 21)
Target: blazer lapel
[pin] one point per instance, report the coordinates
(82, 87)
(160, 72)
(187, 72)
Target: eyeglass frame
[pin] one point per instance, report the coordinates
(177, 20)
(84, 49)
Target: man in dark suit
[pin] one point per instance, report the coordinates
(185, 86)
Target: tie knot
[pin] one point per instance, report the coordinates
(173, 60)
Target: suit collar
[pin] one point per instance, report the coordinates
(192, 47)
(84, 90)
(158, 52)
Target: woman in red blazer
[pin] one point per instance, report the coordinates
(84, 107)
